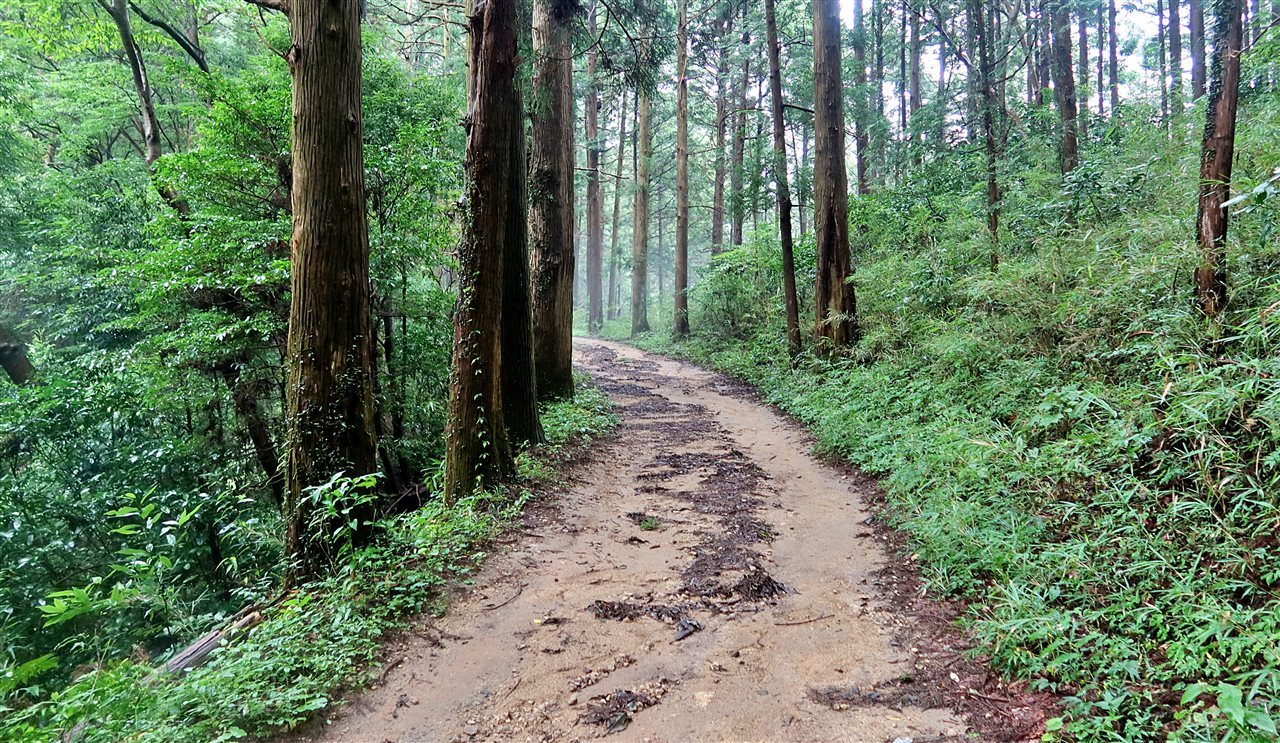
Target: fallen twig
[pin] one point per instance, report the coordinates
(980, 695)
(519, 591)
(818, 618)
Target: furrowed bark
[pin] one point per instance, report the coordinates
(834, 298)
(1217, 153)
(1064, 86)
(330, 410)
(551, 197)
(478, 450)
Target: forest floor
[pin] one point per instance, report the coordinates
(699, 576)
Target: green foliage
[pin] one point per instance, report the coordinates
(313, 644)
(1070, 446)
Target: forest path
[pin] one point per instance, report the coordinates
(705, 507)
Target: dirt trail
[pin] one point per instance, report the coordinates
(705, 517)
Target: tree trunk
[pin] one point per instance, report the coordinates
(1064, 86)
(722, 126)
(518, 372)
(330, 414)
(1217, 152)
(1175, 55)
(478, 450)
(119, 12)
(681, 288)
(837, 324)
(1102, 40)
(595, 199)
(1034, 89)
(13, 358)
(737, 201)
(1164, 63)
(1046, 45)
(914, 80)
(989, 105)
(640, 221)
(1082, 73)
(551, 208)
(1113, 61)
(860, 140)
(1196, 22)
(780, 182)
(617, 209)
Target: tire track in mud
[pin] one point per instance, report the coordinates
(701, 577)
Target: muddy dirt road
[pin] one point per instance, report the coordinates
(702, 577)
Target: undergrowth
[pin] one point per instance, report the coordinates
(1072, 448)
(317, 641)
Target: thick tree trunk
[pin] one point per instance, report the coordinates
(837, 324)
(551, 208)
(595, 199)
(860, 139)
(1196, 21)
(519, 374)
(1064, 85)
(1217, 152)
(1113, 57)
(617, 209)
(478, 449)
(1175, 55)
(330, 412)
(13, 358)
(681, 288)
(640, 221)
(781, 185)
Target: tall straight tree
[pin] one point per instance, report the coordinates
(613, 308)
(781, 185)
(640, 219)
(1113, 58)
(1064, 85)
(1175, 56)
(1196, 24)
(860, 138)
(1216, 154)
(551, 212)
(478, 449)
(721, 129)
(330, 411)
(1082, 72)
(836, 316)
(737, 200)
(595, 199)
(681, 288)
